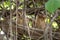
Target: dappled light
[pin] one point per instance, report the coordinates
(29, 19)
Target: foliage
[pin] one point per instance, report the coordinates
(52, 5)
(55, 25)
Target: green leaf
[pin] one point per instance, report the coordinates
(52, 5)
(55, 25)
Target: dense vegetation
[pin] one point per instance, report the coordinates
(30, 19)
